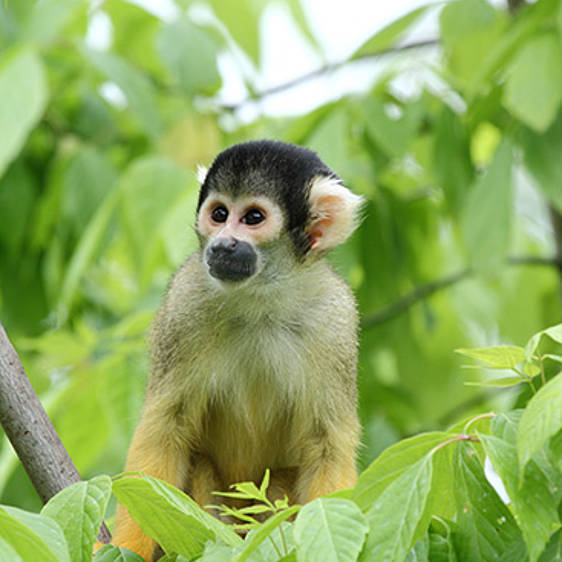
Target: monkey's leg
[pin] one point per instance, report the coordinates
(328, 463)
(155, 453)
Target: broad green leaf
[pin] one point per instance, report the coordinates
(451, 158)
(419, 552)
(391, 464)
(33, 536)
(534, 88)
(23, 91)
(182, 526)
(391, 34)
(280, 540)
(487, 212)
(394, 136)
(497, 357)
(485, 527)
(8, 553)
(79, 511)
(112, 553)
(554, 332)
(553, 550)
(17, 197)
(441, 545)
(541, 419)
(542, 158)
(85, 251)
(329, 530)
(151, 188)
(215, 552)
(469, 30)
(241, 18)
(505, 381)
(395, 516)
(48, 17)
(532, 502)
(135, 86)
(256, 537)
(190, 53)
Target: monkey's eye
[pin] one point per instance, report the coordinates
(219, 214)
(253, 216)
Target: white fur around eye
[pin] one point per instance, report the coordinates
(335, 210)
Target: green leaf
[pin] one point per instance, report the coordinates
(419, 552)
(48, 17)
(241, 18)
(394, 136)
(451, 157)
(85, 252)
(391, 34)
(181, 526)
(8, 553)
(391, 464)
(541, 420)
(79, 511)
(554, 332)
(553, 550)
(395, 516)
(532, 501)
(534, 88)
(151, 188)
(136, 87)
(112, 553)
(485, 527)
(496, 357)
(190, 53)
(469, 30)
(256, 537)
(487, 212)
(23, 91)
(33, 536)
(542, 158)
(329, 530)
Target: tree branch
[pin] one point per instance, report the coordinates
(423, 291)
(325, 69)
(31, 432)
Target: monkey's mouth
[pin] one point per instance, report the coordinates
(231, 259)
(230, 270)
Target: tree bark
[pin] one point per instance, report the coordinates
(31, 432)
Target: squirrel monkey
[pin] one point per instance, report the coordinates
(254, 348)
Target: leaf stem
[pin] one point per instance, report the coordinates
(475, 419)
(543, 378)
(459, 437)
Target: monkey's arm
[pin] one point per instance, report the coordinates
(328, 461)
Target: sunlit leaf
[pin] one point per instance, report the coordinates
(497, 357)
(23, 91)
(330, 530)
(79, 510)
(541, 419)
(112, 553)
(392, 463)
(392, 530)
(487, 212)
(33, 536)
(534, 88)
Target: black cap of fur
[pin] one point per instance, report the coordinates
(278, 170)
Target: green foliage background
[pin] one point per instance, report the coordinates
(463, 182)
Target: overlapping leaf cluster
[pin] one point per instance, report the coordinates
(426, 498)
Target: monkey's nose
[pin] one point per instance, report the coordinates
(224, 246)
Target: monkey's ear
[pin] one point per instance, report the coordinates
(201, 173)
(335, 213)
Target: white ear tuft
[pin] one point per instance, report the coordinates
(335, 211)
(201, 173)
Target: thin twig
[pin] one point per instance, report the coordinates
(424, 291)
(327, 68)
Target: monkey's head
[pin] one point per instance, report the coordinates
(265, 206)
